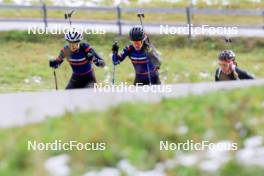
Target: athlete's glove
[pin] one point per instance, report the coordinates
(115, 59)
(90, 54)
(99, 63)
(54, 63)
(115, 47)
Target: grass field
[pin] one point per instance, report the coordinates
(133, 132)
(152, 17)
(24, 59)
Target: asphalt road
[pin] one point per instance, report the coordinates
(111, 27)
(18, 109)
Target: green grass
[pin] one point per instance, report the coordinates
(152, 17)
(24, 56)
(133, 132)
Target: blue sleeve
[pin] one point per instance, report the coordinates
(91, 53)
(61, 55)
(126, 52)
(85, 46)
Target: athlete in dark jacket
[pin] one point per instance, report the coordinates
(228, 69)
(81, 57)
(143, 55)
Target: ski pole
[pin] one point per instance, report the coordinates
(114, 67)
(68, 16)
(55, 79)
(140, 16)
(113, 76)
(228, 42)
